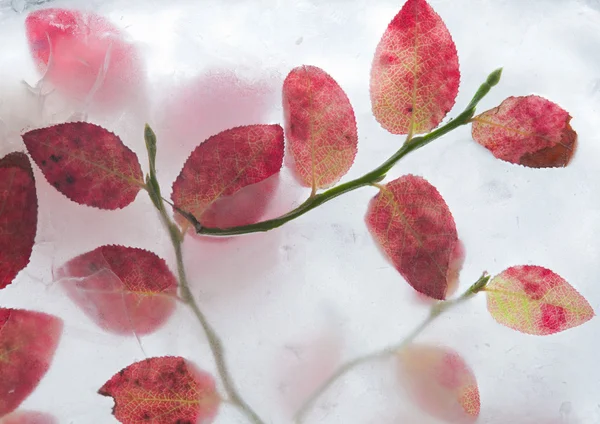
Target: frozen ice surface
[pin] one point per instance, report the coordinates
(319, 284)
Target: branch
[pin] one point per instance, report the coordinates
(435, 312)
(370, 178)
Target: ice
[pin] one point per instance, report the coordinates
(210, 65)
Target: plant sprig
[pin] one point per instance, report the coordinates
(375, 176)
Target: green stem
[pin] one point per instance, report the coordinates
(374, 176)
(435, 312)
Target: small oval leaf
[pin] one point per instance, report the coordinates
(124, 290)
(529, 131)
(535, 300)
(440, 382)
(28, 341)
(415, 74)
(320, 127)
(412, 224)
(163, 390)
(224, 164)
(86, 163)
(18, 215)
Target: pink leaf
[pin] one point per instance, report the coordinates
(28, 341)
(535, 300)
(123, 289)
(163, 390)
(86, 163)
(84, 55)
(440, 382)
(28, 417)
(412, 224)
(320, 127)
(223, 165)
(529, 131)
(18, 215)
(415, 74)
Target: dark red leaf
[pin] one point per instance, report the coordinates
(86, 163)
(18, 215)
(413, 225)
(415, 74)
(84, 55)
(28, 417)
(163, 390)
(529, 131)
(28, 341)
(122, 289)
(320, 127)
(224, 164)
(440, 382)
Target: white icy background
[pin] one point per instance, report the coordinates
(321, 277)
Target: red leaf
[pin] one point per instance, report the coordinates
(224, 164)
(529, 131)
(320, 127)
(163, 390)
(415, 74)
(122, 289)
(28, 341)
(18, 215)
(440, 382)
(83, 55)
(413, 225)
(86, 163)
(535, 300)
(28, 417)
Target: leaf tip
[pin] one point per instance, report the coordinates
(494, 78)
(149, 133)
